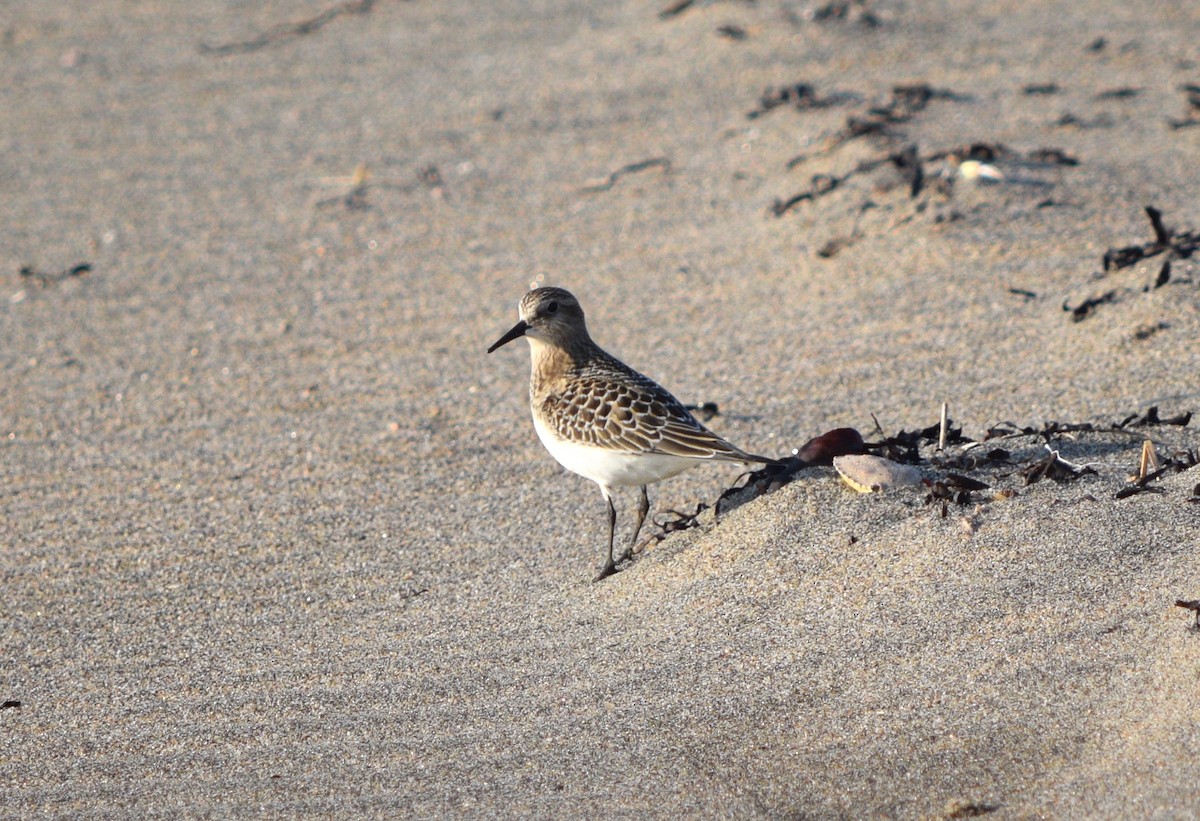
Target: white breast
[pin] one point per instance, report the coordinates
(610, 468)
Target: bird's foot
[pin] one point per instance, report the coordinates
(613, 565)
(606, 571)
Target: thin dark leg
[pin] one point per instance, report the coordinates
(643, 509)
(610, 566)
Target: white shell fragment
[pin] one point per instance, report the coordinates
(872, 474)
(975, 170)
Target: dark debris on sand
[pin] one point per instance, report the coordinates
(1171, 244)
(971, 476)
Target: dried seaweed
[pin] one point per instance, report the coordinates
(361, 185)
(955, 480)
(1054, 467)
(847, 11)
(1134, 490)
(1175, 244)
(799, 97)
(833, 247)
(823, 184)
(675, 9)
(1144, 332)
(953, 487)
(905, 102)
(290, 31)
(1049, 430)
(961, 481)
(904, 447)
(1123, 93)
(45, 280)
(1151, 418)
(962, 808)
(994, 152)
(680, 521)
(1071, 120)
(631, 168)
(1081, 311)
(910, 164)
(1191, 115)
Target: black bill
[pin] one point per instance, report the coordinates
(517, 330)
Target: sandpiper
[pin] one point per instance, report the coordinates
(602, 419)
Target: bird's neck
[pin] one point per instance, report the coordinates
(551, 362)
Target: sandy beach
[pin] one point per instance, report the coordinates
(278, 539)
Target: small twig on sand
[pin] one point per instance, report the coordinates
(632, 168)
(288, 31)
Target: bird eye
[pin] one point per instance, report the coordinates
(552, 308)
